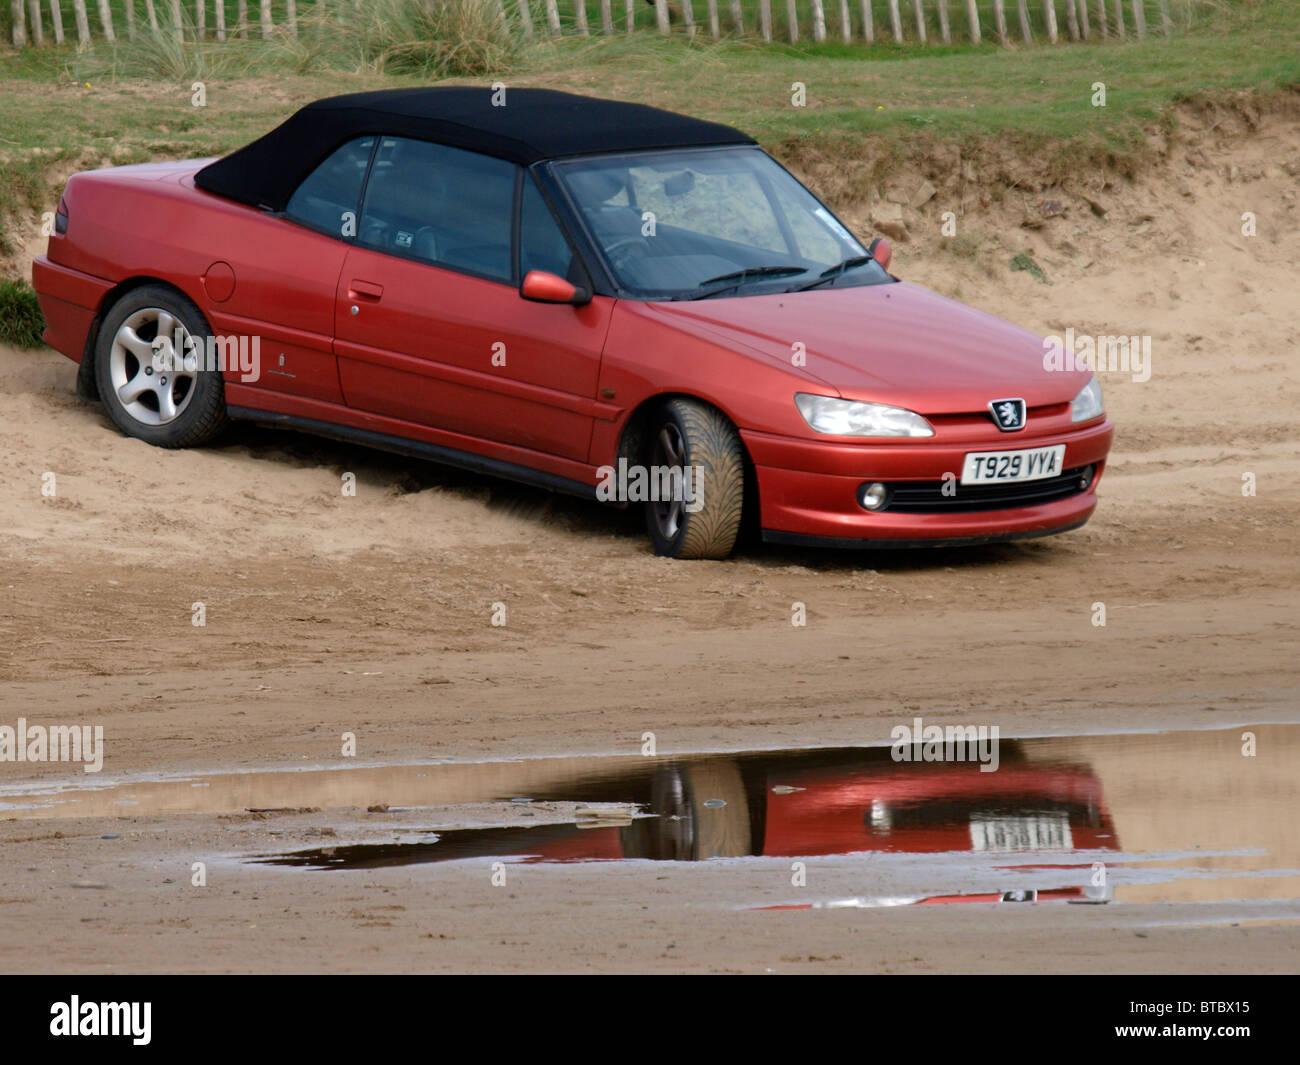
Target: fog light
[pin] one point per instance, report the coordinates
(874, 496)
(1085, 478)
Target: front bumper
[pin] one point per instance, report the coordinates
(808, 490)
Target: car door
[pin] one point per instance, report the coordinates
(430, 328)
(281, 290)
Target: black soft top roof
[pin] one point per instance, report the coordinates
(535, 124)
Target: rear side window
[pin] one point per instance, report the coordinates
(330, 198)
(442, 205)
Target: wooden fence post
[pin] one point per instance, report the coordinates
(919, 11)
(792, 21)
(1119, 20)
(630, 5)
(241, 19)
(19, 23)
(1022, 9)
(973, 18)
(291, 14)
(553, 17)
(219, 19)
(200, 19)
(606, 18)
(715, 24)
(151, 13)
(1139, 20)
(945, 29)
(1084, 29)
(38, 30)
(525, 17)
(868, 23)
(56, 19)
(818, 19)
(1101, 19)
(1049, 16)
(268, 27)
(1166, 23)
(688, 18)
(580, 17)
(846, 22)
(895, 21)
(1000, 21)
(737, 18)
(82, 19)
(661, 16)
(765, 20)
(1071, 20)
(106, 20)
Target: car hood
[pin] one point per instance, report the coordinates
(894, 343)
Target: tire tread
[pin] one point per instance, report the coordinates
(714, 445)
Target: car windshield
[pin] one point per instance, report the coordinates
(691, 224)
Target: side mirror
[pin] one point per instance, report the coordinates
(880, 250)
(545, 287)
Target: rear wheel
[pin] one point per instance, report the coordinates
(703, 448)
(150, 370)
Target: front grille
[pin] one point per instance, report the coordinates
(980, 421)
(920, 497)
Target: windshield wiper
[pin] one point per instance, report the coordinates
(835, 271)
(739, 277)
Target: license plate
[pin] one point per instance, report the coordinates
(1045, 832)
(1004, 467)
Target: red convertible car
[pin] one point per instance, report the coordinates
(597, 297)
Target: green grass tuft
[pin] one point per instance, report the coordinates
(1024, 262)
(437, 38)
(21, 321)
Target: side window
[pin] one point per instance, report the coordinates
(330, 196)
(440, 204)
(542, 244)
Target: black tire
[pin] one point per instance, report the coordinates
(669, 834)
(686, 434)
(198, 398)
(719, 809)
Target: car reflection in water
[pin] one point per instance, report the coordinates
(793, 804)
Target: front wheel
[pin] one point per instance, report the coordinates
(695, 459)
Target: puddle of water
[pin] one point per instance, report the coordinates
(1182, 816)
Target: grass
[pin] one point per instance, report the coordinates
(435, 38)
(852, 90)
(1042, 93)
(21, 321)
(1024, 262)
(1188, 15)
(867, 110)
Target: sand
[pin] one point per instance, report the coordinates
(372, 615)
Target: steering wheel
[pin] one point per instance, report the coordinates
(622, 250)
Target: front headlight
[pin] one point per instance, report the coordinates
(847, 417)
(1087, 404)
